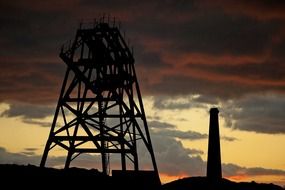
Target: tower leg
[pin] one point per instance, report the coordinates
(104, 165)
(68, 160)
(136, 162)
(149, 145)
(49, 141)
(45, 154)
(123, 158)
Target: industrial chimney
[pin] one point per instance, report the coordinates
(214, 171)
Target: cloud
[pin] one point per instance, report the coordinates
(28, 157)
(262, 171)
(230, 139)
(185, 135)
(259, 9)
(194, 151)
(227, 62)
(28, 111)
(174, 159)
(238, 36)
(37, 122)
(190, 52)
(160, 125)
(17, 158)
(30, 81)
(29, 151)
(177, 102)
(233, 170)
(169, 130)
(258, 113)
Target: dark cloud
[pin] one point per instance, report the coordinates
(31, 149)
(17, 158)
(164, 35)
(160, 125)
(233, 170)
(185, 135)
(28, 157)
(148, 58)
(194, 151)
(259, 9)
(166, 129)
(184, 85)
(37, 122)
(28, 111)
(174, 159)
(230, 139)
(261, 171)
(236, 36)
(31, 29)
(180, 102)
(259, 73)
(260, 113)
(30, 81)
(28, 153)
(176, 102)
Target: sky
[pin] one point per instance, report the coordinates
(190, 56)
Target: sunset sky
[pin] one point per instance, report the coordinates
(189, 56)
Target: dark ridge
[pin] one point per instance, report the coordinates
(33, 177)
(203, 183)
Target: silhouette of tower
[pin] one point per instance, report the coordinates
(100, 108)
(214, 171)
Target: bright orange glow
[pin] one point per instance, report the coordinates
(237, 177)
(279, 180)
(165, 178)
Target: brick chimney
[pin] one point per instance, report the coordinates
(214, 169)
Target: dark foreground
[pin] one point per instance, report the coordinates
(32, 177)
(201, 183)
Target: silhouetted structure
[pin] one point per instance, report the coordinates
(100, 108)
(214, 171)
(32, 177)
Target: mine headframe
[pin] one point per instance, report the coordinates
(100, 108)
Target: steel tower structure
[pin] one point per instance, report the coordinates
(100, 108)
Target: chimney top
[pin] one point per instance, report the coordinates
(214, 111)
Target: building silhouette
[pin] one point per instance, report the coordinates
(214, 169)
(100, 109)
